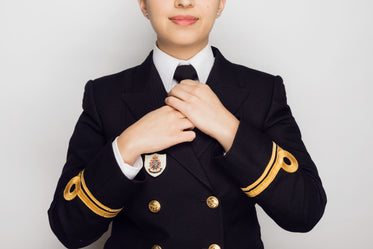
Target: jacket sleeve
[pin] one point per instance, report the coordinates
(273, 166)
(92, 190)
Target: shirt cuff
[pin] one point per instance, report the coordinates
(129, 171)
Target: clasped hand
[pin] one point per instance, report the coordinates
(189, 104)
(201, 106)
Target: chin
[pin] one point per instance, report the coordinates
(186, 41)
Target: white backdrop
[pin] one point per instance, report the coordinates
(322, 49)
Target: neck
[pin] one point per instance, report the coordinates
(181, 52)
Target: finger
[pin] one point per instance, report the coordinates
(177, 103)
(166, 108)
(194, 88)
(177, 114)
(186, 124)
(188, 86)
(181, 92)
(180, 115)
(186, 136)
(189, 82)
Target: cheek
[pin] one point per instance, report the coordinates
(208, 7)
(158, 23)
(209, 21)
(158, 17)
(209, 12)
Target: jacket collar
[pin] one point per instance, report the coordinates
(146, 82)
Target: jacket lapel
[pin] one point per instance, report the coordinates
(144, 91)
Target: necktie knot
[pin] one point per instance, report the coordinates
(183, 72)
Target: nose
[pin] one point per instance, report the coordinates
(184, 3)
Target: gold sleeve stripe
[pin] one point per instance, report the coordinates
(265, 173)
(94, 199)
(80, 190)
(278, 161)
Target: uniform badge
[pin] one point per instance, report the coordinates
(155, 164)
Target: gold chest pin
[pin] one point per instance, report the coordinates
(155, 164)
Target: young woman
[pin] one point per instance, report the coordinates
(177, 151)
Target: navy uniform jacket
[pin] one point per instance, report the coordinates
(203, 198)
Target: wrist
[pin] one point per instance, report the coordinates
(227, 131)
(127, 149)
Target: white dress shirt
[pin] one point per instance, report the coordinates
(166, 66)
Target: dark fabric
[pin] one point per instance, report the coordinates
(184, 72)
(295, 201)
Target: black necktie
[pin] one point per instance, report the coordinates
(184, 72)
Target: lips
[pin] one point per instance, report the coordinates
(184, 20)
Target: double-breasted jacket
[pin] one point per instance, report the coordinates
(203, 198)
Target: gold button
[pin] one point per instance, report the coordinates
(156, 247)
(214, 246)
(212, 202)
(155, 207)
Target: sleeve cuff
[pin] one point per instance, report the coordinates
(105, 179)
(77, 187)
(280, 159)
(129, 171)
(254, 160)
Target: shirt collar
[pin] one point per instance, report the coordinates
(166, 65)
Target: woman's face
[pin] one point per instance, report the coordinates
(182, 23)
